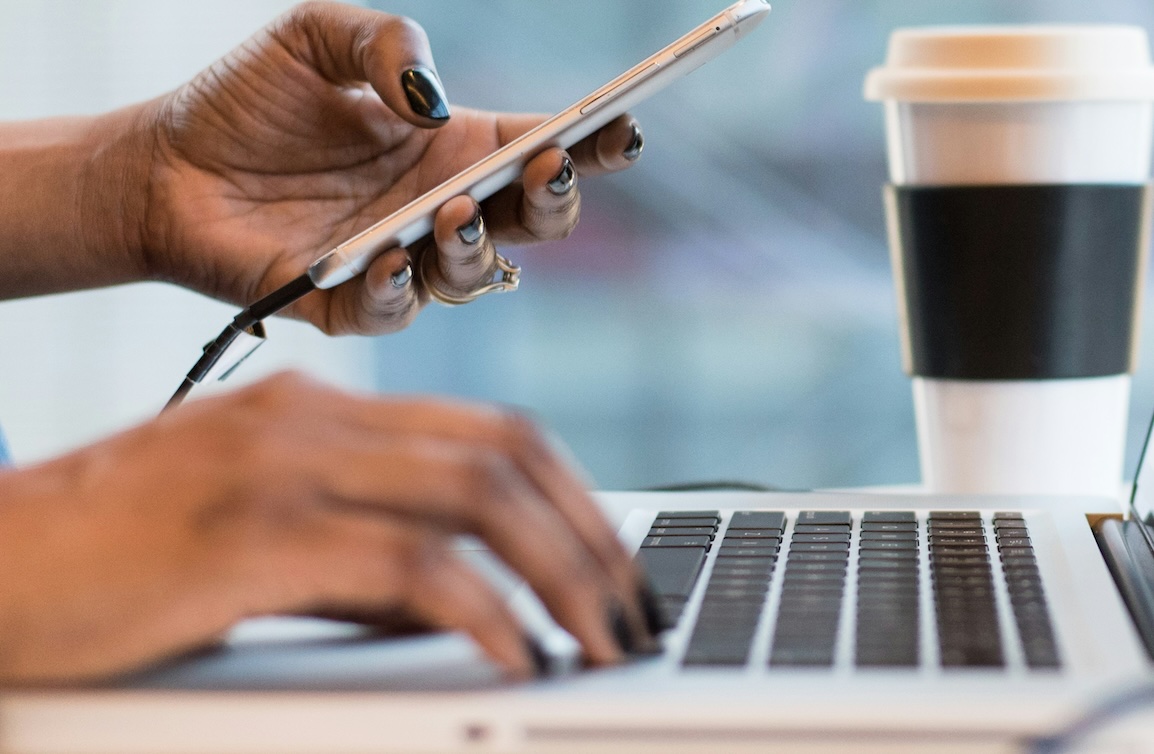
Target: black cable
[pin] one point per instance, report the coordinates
(249, 320)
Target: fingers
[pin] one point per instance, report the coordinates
(357, 568)
(465, 257)
(495, 475)
(383, 300)
(515, 437)
(543, 207)
(615, 146)
(349, 45)
(546, 204)
(377, 459)
(459, 487)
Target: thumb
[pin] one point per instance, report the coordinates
(350, 45)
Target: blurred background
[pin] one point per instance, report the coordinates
(724, 311)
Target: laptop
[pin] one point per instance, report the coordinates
(804, 621)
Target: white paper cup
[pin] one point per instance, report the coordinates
(1018, 105)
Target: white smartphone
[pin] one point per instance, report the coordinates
(482, 180)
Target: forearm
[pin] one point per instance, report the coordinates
(72, 196)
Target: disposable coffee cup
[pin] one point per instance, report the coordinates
(1018, 212)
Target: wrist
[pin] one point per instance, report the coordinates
(113, 197)
(73, 193)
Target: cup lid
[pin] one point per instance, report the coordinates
(998, 63)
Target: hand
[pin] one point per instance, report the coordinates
(288, 497)
(305, 135)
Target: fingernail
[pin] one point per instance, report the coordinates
(636, 144)
(425, 94)
(471, 231)
(402, 277)
(563, 182)
(655, 618)
(542, 665)
(619, 627)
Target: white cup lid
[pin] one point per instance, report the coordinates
(998, 63)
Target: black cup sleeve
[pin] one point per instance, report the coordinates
(1039, 281)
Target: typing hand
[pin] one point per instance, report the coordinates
(288, 497)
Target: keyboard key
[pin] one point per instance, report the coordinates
(812, 566)
(756, 544)
(952, 549)
(748, 552)
(936, 539)
(889, 536)
(901, 545)
(820, 529)
(802, 538)
(657, 542)
(744, 562)
(687, 531)
(802, 655)
(712, 515)
(889, 517)
(954, 515)
(687, 522)
(1008, 516)
(893, 526)
(742, 534)
(958, 531)
(867, 564)
(672, 571)
(961, 560)
(888, 554)
(818, 547)
(841, 556)
(825, 517)
(757, 520)
(719, 569)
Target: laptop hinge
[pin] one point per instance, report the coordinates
(1131, 563)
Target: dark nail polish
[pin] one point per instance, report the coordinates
(471, 231)
(619, 627)
(425, 94)
(655, 618)
(402, 277)
(565, 179)
(542, 662)
(636, 144)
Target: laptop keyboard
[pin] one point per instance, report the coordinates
(880, 559)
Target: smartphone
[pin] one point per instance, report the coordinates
(482, 180)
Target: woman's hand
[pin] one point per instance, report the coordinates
(321, 125)
(288, 497)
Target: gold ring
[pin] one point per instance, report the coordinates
(510, 278)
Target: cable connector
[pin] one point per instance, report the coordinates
(240, 339)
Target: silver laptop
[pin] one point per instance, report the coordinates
(804, 621)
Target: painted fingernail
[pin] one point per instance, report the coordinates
(619, 627)
(636, 144)
(425, 94)
(542, 664)
(565, 179)
(402, 277)
(655, 618)
(472, 231)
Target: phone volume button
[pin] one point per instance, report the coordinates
(697, 41)
(601, 99)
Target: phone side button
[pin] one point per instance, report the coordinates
(697, 41)
(609, 95)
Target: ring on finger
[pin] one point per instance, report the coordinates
(508, 280)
